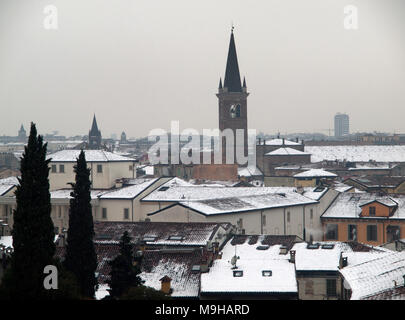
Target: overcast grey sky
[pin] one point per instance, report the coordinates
(140, 63)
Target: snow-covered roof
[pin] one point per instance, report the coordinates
(319, 259)
(149, 170)
(249, 171)
(247, 203)
(91, 156)
(177, 266)
(252, 262)
(129, 192)
(371, 277)
(177, 190)
(102, 291)
(6, 241)
(9, 181)
(279, 142)
(286, 152)
(159, 233)
(315, 173)
(386, 153)
(65, 193)
(348, 205)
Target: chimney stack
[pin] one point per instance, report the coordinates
(292, 256)
(165, 284)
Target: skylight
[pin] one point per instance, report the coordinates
(176, 238)
(267, 273)
(327, 246)
(149, 238)
(264, 247)
(163, 188)
(238, 273)
(196, 268)
(313, 246)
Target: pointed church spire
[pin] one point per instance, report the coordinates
(244, 82)
(232, 77)
(94, 128)
(220, 83)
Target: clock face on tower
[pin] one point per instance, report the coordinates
(235, 111)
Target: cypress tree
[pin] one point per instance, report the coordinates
(33, 229)
(124, 272)
(81, 258)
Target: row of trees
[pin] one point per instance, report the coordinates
(34, 238)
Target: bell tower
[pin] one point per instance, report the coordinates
(232, 100)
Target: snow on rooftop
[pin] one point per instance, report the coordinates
(392, 153)
(129, 192)
(91, 156)
(279, 142)
(10, 181)
(319, 259)
(4, 188)
(102, 291)
(347, 205)
(314, 173)
(65, 193)
(368, 278)
(286, 152)
(247, 203)
(6, 241)
(249, 171)
(183, 284)
(177, 190)
(252, 262)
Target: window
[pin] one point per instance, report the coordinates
(99, 168)
(56, 230)
(59, 212)
(126, 213)
(371, 211)
(62, 168)
(235, 111)
(288, 216)
(264, 220)
(266, 273)
(53, 168)
(331, 232)
(352, 232)
(130, 168)
(393, 233)
(371, 233)
(309, 287)
(104, 213)
(311, 214)
(331, 287)
(238, 273)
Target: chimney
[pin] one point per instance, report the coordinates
(283, 141)
(296, 139)
(165, 284)
(342, 262)
(292, 256)
(264, 141)
(260, 141)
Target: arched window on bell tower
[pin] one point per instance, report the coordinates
(235, 111)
